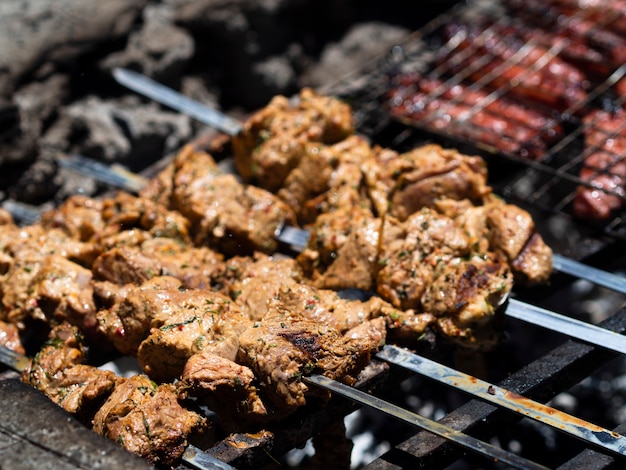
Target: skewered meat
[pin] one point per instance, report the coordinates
(43, 278)
(284, 345)
(259, 281)
(401, 184)
(128, 264)
(604, 167)
(225, 386)
(237, 328)
(148, 420)
(273, 140)
(506, 229)
(136, 413)
(232, 218)
(327, 178)
(531, 71)
(79, 216)
(58, 370)
(342, 250)
(197, 321)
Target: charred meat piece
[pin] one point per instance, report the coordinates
(148, 420)
(284, 345)
(273, 140)
(465, 296)
(473, 115)
(604, 167)
(228, 216)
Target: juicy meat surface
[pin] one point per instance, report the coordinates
(327, 178)
(148, 420)
(402, 184)
(135, 264)
(229, 388)
(273, 140)
(284, 345)
(58, 371)
(199, 321)
(342, 250)
(226, 215)
(10, 337)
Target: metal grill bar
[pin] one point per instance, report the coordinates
(540, 380)
(475, 445)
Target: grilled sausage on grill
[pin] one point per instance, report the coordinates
(604, 167)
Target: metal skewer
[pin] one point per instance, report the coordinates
(588, 432)
(471, 443)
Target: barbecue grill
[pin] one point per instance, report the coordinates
(545, 188)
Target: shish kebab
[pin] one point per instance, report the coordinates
(585, 431)
(283, 326)
(179, 102)
(527, 313)
(201, 460)
(297, 238)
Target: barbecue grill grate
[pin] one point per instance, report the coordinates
(548, 183)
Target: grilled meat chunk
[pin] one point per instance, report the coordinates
(506, 229)
(259, 282)
(125, 212)
(10, 337)
(342, 250)
(465, 296)
(58, 371)
(199, 321)
(148, 420)
(126, 264)
(273, 140)
(79, 216)
(228, 388)
(149, 305)
(284, 345)
(43, 277)
(328, 177)
(401, 184)
(411, 252)
(226, 215)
